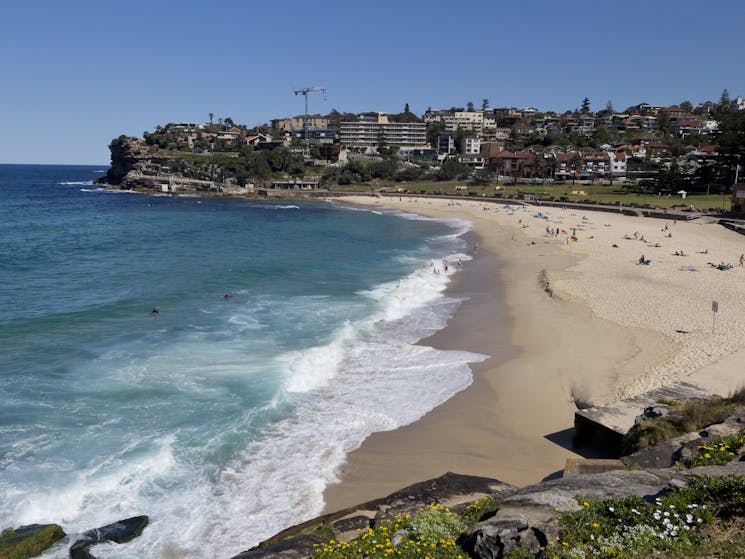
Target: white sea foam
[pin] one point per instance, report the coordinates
(369, 376)
(280, 207)
(76, 183)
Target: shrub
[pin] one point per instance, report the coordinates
(480, 510)
(718, 452)
(431, 532)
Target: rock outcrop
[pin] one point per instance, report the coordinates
(118, 532)
(29, 541)
(454, 491)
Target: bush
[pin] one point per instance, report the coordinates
(717, 452)
(480, 510)
(431, 532)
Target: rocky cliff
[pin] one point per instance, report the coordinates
(135, 165)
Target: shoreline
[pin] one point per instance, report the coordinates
(514, 421)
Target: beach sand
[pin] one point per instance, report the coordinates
(611, 329)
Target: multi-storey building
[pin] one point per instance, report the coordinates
(298, 123)
(374, 131)
(464, 120)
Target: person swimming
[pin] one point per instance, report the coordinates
(155, 311)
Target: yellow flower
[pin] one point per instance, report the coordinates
(707, 455)
(586, 504)
(595, 525)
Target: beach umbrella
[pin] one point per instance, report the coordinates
(682, 193)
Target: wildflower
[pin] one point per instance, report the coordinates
(611, 509)
(595, 525)
(586, 504)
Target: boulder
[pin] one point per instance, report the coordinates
(29, 541)
(529, 518)
(118, 532)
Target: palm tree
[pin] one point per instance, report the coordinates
(211, 115)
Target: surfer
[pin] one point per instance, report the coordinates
(155, 311)
(226, 296)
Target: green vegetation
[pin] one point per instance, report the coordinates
(690, 416)
(701, 520)
(718, 452)
(431, 532)
(20, 545)
(584, 193)
(705, 519)
(480, 510)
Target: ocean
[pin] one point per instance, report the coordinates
(286, 333)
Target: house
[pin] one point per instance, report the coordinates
(512, 163)
(446, 144)
(475, 160)
(617, 163)
(470, 145)
(256, 139)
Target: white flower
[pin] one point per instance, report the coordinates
(689, 518)
(611, 509)
(667, 513)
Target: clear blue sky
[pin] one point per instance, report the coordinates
(76, 74)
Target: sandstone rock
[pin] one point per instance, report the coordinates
(29, 541)
(299, 547)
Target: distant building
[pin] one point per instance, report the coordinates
(446, 144)
(298, 123)
(316, 135)
(373, 131)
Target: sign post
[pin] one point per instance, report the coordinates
(714, 311)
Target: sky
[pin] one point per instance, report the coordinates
(76, 74)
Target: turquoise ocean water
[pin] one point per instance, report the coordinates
(220, 418)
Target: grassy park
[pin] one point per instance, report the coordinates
(588, 193)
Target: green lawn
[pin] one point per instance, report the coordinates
(591, 193)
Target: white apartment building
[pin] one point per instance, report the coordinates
(371, 132)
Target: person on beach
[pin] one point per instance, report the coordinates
(445, 264)
(742, 260)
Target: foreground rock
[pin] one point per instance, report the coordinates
(454, 491)
(29, 541)
(118, 532)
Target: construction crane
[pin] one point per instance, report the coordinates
(304, 92)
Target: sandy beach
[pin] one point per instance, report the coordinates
(611, 328)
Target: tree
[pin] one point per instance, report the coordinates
(434, 129)
(406, 108)
(731, 139)
(484, 104)
(211, 115)
(585, 106)
(687, 106)
(469, 106)
(609, 107)
(663, 123)
(229, 122)
(451, 169)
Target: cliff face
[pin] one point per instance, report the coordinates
(127, 154)
(139, 166)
